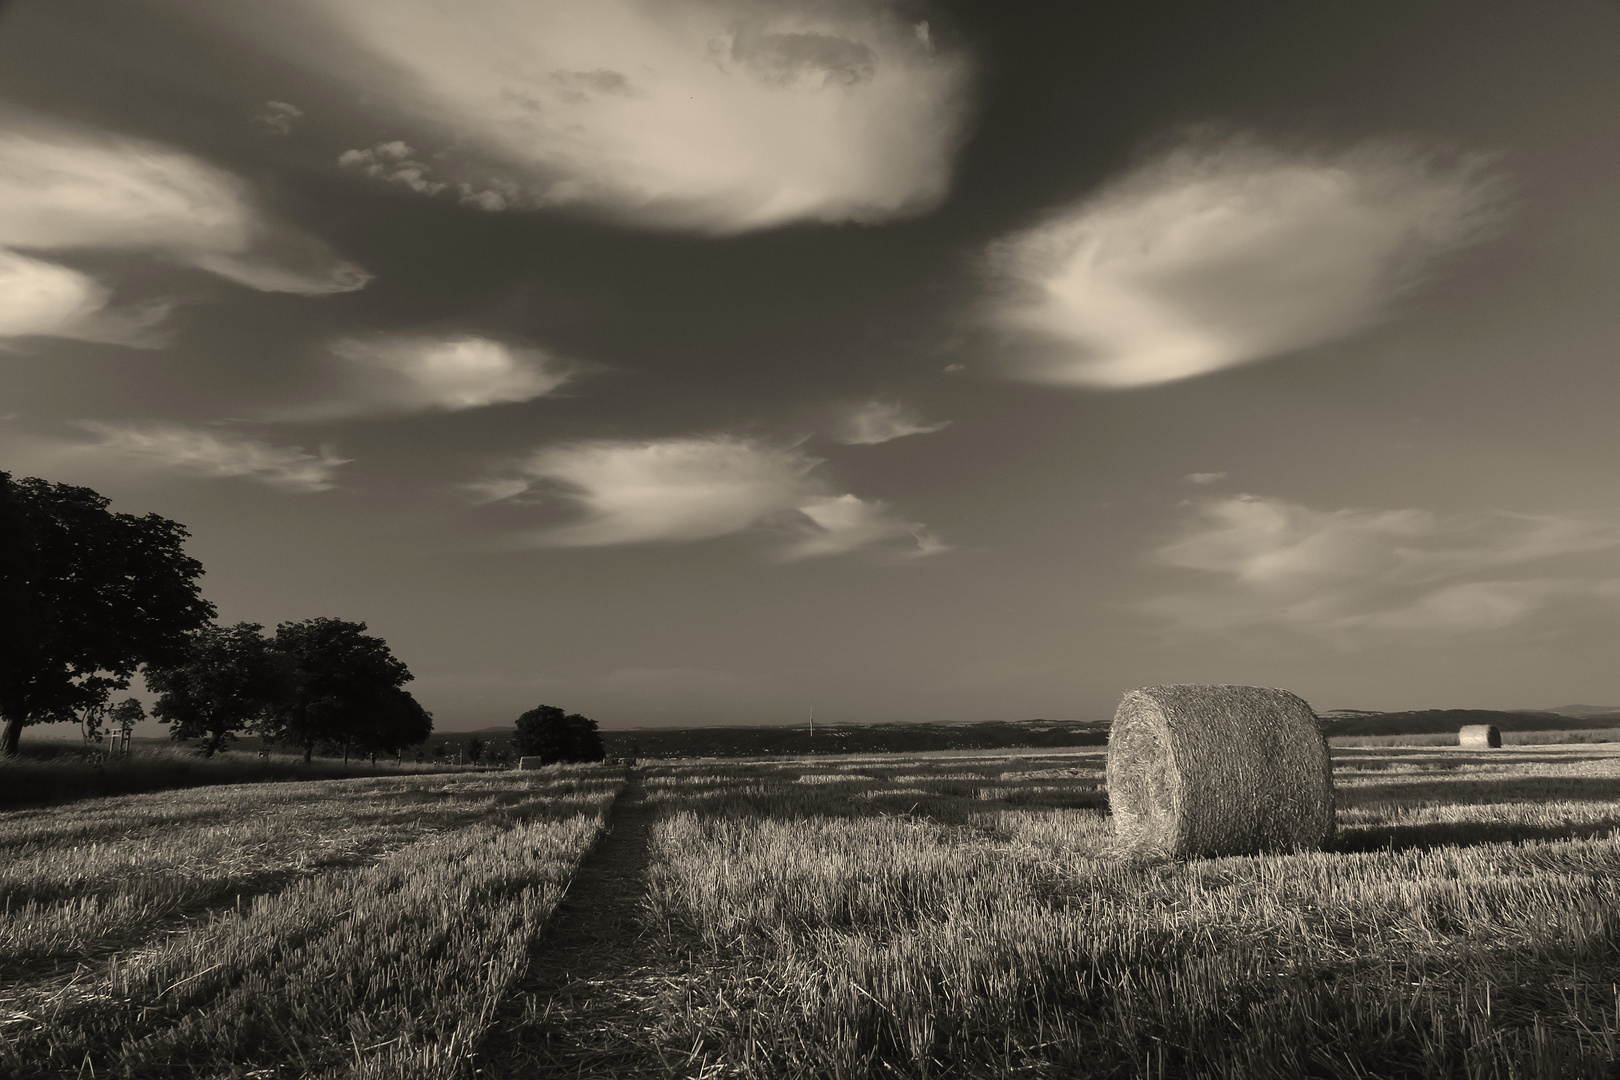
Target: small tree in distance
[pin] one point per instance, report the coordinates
(475, 749)
(548, 733)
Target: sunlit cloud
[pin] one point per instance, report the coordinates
(845, 523)
(65, 189)
(1353, 573)
(1215, 255)
(714, 115)
(873, 422)
(1204, 479)
(690, 489)
(43, 299)
(209, 454)
(408, 373)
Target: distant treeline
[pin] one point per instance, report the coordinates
(848, 739)
(1441, 721)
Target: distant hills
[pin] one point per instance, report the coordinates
(827, 739)
(1436, 721)
(1588, 712)
(770, 739)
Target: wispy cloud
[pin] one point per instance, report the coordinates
(1353, 573)
(406, 373)
(873, 422)
(682, 490)
(716, 115)
(65, 188)
(1204, 478)
(278, 117)
(210, 454)
(1219, 254)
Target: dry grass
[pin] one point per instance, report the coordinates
(953, 916)
(409, 911)
(48, 774)
(1441, 936)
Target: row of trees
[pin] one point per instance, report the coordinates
(89, 597)
(320, 682)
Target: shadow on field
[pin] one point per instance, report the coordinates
(1452, 791)
(1360, 839)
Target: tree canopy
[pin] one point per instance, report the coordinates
(231, 680)
(348, 691)
(551, 735)
(86, 597)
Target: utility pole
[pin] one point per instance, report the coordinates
(812, 729)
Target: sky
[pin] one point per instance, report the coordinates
(690, 362)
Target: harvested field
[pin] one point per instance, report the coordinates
(917, 916)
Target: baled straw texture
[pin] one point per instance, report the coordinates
(531, 763)
(1479, 735)
(1218, 770)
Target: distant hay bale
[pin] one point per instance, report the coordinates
(531, 763)
(1479, 735)
(1218, 770)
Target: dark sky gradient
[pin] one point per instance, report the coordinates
(1477, 400)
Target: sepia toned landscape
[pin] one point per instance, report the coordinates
(809, 540)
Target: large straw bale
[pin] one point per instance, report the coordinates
(1218, 770)
(1479, 735)
(531, 763)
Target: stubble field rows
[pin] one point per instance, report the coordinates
(939, 915)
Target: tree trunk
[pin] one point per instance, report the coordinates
(309, 751)
(10, 737)
(374, 759)
(345, 753)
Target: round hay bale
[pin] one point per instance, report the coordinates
(1218, 770)
(1479, 735)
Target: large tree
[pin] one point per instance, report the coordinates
(552, 735)
(348, 690)
(395, 721)
(232, 679)
(86, 597)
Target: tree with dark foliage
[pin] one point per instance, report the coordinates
(86, 598)
(232, 679)
(396, 720)
(551, 735)
(348, 691)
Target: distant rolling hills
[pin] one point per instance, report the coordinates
(1437, 721)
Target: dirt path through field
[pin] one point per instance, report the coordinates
(601, 988)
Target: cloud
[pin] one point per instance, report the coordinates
(873, 422)
(845, 523)
(64, 190)
(713, 115)
(42, 299)
(1216, 255)
(211, 454)
(278, 117)
(397, 163)
(393, 162)
(1350, 573)
(407, 373)
(1204, 478)
(690, 489)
